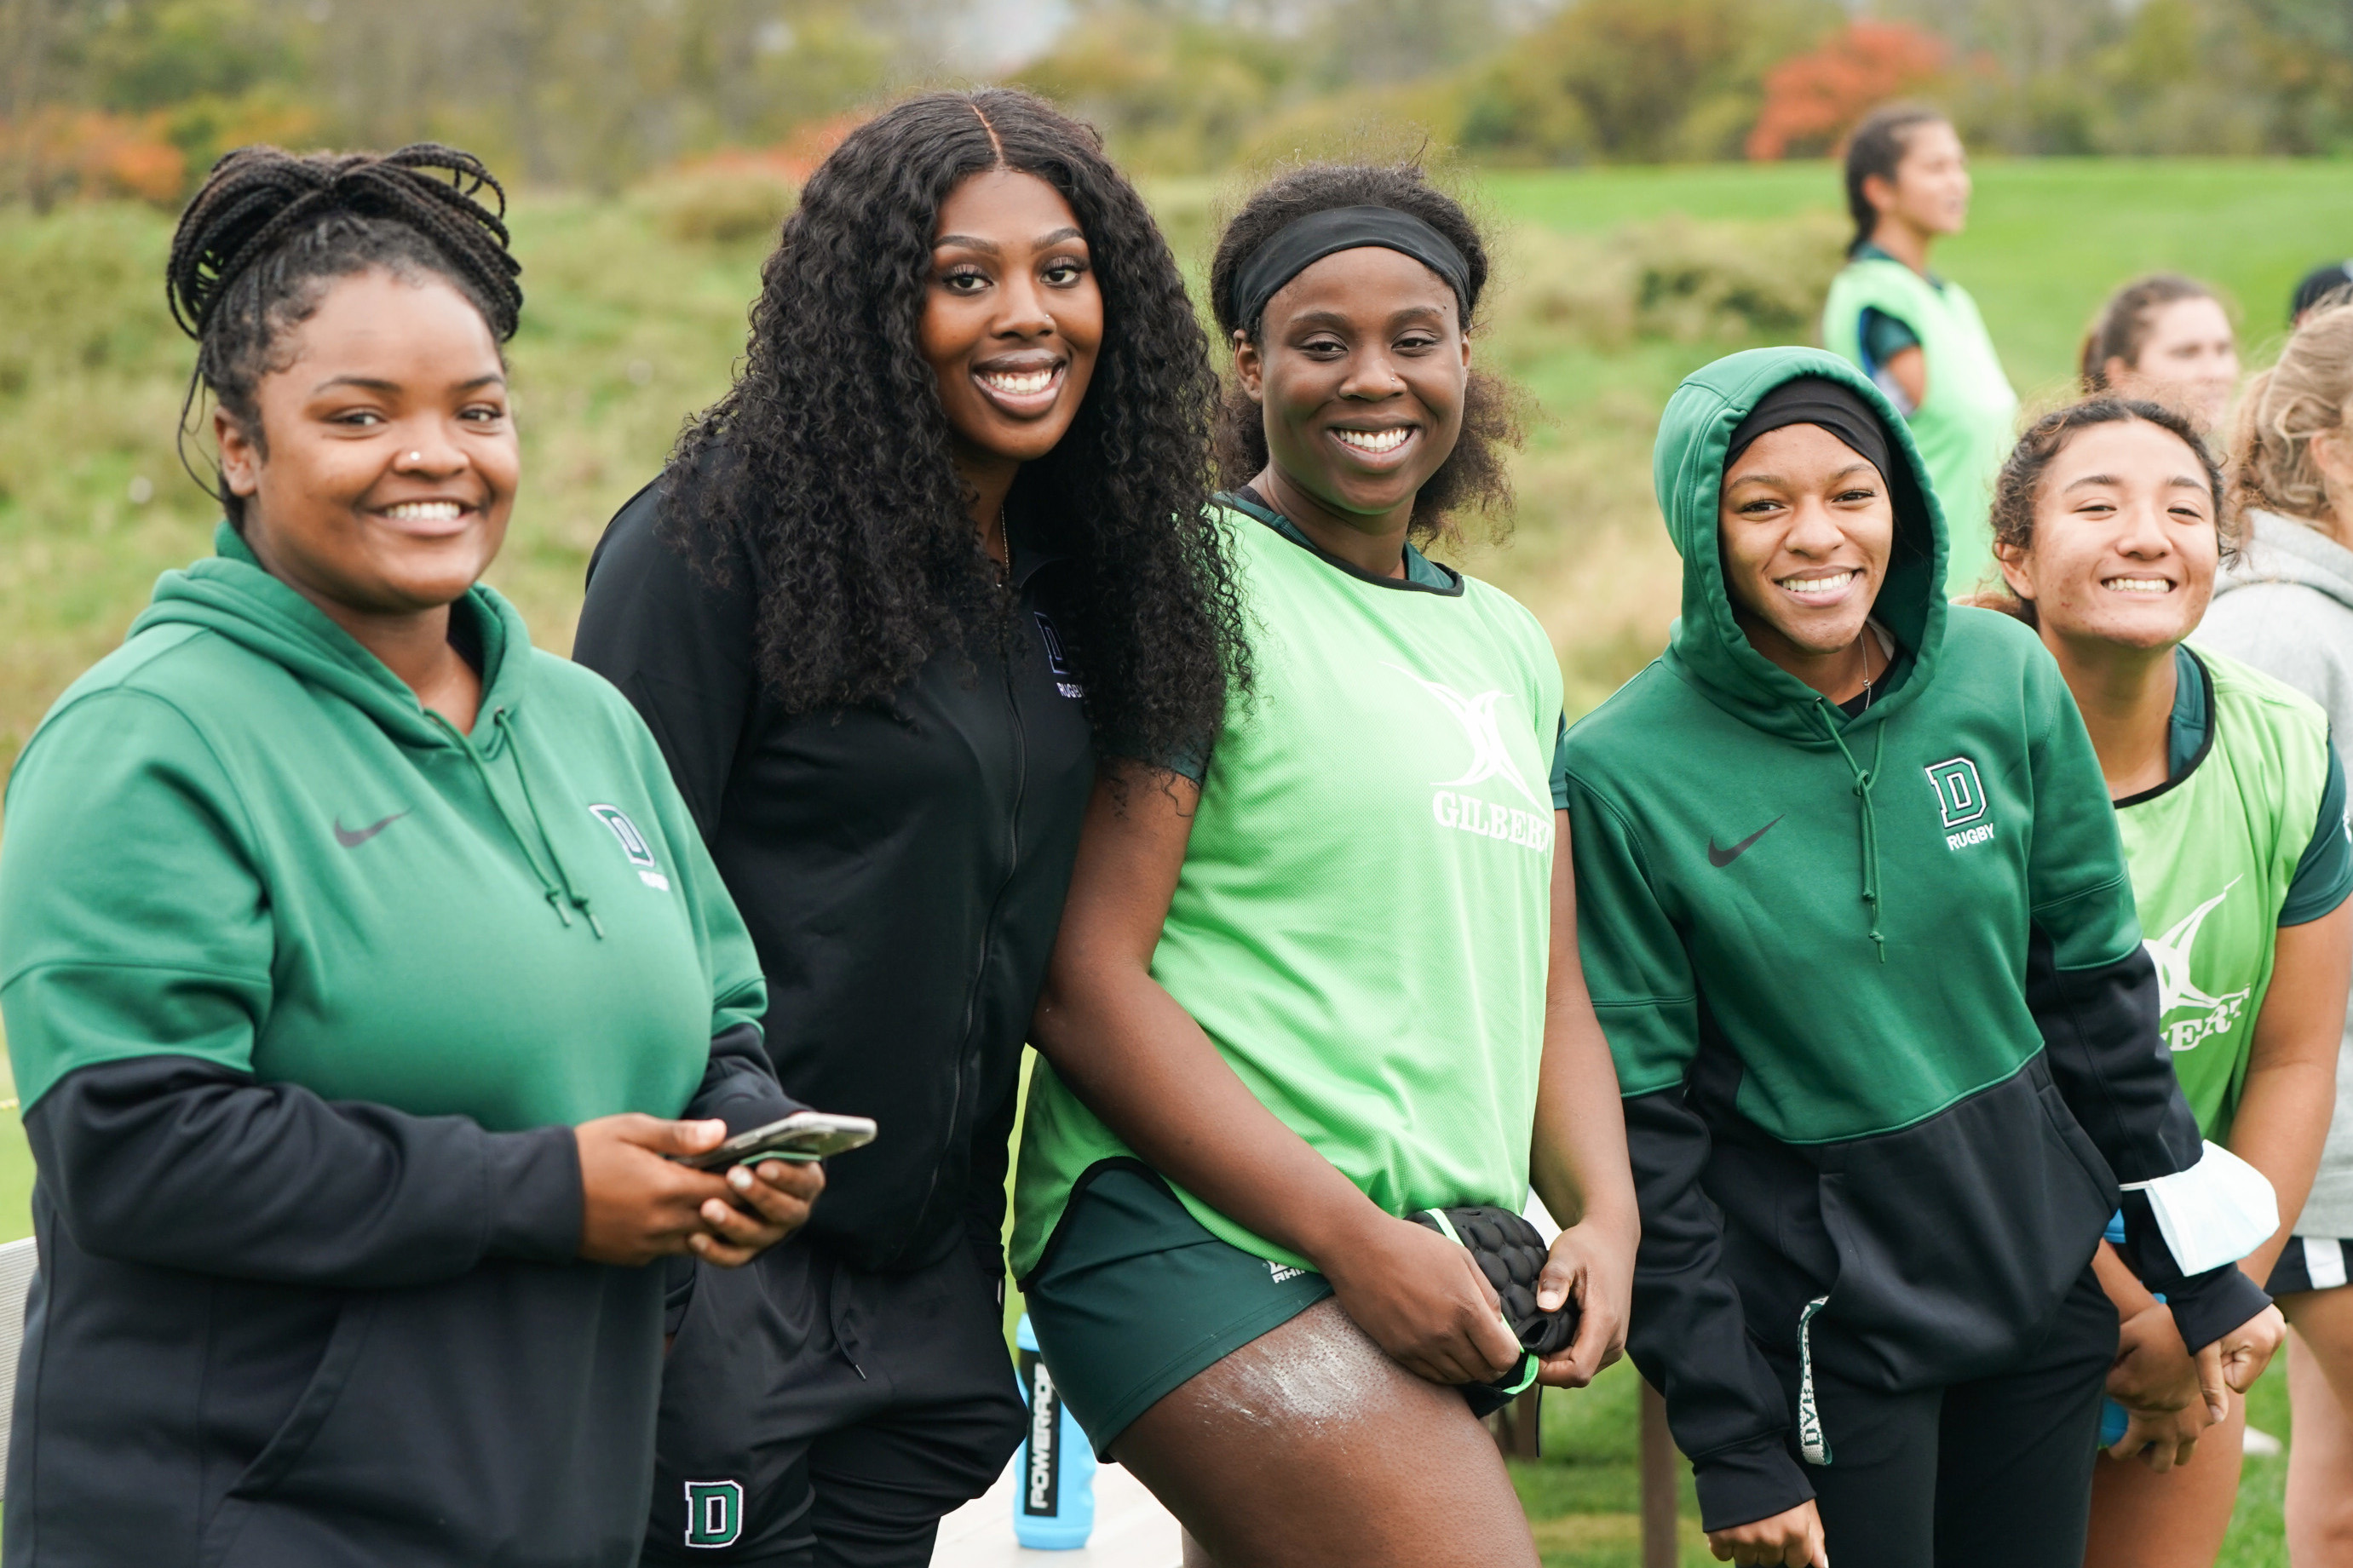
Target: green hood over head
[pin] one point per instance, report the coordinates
(1706, 646)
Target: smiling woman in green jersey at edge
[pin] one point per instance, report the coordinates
(1845, 865)
(355, 955)
(2109, 522)
(1918, 336)
(1329, 979)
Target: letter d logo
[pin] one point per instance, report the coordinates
(714, 1512)
(1960, 797)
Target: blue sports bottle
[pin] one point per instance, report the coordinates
(2113, 1419)
(1054, 1497)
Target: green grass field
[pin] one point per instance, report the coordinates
(628, 328)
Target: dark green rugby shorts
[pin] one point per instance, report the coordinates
(1133, 1296)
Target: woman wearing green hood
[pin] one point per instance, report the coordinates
(1859, 931)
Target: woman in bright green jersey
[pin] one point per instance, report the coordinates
(1918, 336)
(2109, 522)
(1326, 977)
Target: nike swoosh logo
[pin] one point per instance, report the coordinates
(352, 838)
(1721, 858)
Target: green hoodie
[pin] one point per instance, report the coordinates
(304, 991)
(297, 811)
(1829, 950)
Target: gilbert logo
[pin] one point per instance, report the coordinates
(1491, 759)
(2188, 1016)
(714, 1512)
(1961, 798)
(634, 845)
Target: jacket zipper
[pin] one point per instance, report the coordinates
(988, 936)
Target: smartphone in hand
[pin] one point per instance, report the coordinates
(803, 1135)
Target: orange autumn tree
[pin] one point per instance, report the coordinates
(1813, 99)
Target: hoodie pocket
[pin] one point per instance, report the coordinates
(1958, 1237)
(295, 1435)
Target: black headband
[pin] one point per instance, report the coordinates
(1301, 244)
(1816, 400)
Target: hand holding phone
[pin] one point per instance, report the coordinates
(803, 1135)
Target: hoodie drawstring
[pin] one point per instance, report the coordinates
(559, 887)
(579, 900)
(1863, 778)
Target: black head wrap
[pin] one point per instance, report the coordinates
(1816, 400)
(1300, 245)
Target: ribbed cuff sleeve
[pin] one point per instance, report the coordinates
(1755, 1480)
(2212, 1304)
(532, 1187)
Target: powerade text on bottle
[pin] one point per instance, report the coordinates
(1054, 1501)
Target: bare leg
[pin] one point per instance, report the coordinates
(2320, 1455)
(1195, 1556)
(1311, 1449)
(2143, 1520)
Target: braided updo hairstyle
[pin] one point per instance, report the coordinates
(1475, 478)
(270, 229)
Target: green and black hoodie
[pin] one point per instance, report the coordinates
(305, 990)
(1885, 1029)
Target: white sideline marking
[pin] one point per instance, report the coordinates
(1131, 1530)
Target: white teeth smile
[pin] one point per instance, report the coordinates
(1019, 383)
(2137, 585)
(424, 511)
(1829, 584)
(1374, 441)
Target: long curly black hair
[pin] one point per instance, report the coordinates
(1476, 477)
(830, 458)
(255, 250)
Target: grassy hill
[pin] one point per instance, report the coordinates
(1613, 284)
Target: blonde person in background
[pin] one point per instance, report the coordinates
(2168, 338)
(2286, 607)
(1916, 335)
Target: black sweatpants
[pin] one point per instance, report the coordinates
(1999, 1471)
(814, 1415)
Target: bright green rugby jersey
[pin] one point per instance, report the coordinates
(1362, 919)
(2225, 852)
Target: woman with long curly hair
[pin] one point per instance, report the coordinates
(1315, 1020)
(943, 543)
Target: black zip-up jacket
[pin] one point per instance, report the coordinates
(903, 873)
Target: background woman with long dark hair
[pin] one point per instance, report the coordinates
(943, 541)
(1917, 335)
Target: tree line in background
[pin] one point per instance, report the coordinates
(137, 97)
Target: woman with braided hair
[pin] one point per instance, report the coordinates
(945, 543)
(360, 966)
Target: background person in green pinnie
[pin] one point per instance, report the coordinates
(2110, 521)
(360, 967)
(1917, 335)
